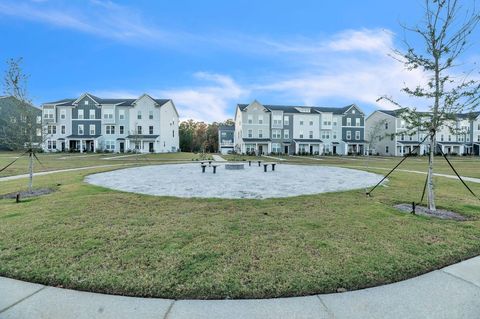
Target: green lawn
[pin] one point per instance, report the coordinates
(91, 238)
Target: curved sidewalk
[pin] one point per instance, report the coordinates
(452, 292)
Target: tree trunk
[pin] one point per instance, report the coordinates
(30, 172)
(430, 186)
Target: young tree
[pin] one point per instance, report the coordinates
(22, 130)
(444, 35)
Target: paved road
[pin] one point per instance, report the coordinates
(218, 158)
(451, 293)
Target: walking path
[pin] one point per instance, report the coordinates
(452, 292)
(218, 158)
(14, 177)
(465, 178)
(273, 157)
(308, 157)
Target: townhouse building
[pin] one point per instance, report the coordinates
(90, 123)
(281, 129)
(389, 135)
(225, 138)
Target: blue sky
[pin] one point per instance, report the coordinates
(210, 55)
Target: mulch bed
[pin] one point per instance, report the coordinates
(424, 211)
(27, 194)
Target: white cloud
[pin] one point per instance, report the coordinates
(210, 102)
(101, 18)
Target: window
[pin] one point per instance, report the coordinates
(121, 114)
(357, 135)
(411, 137)
(441, 137)
(335, 123)
(353, 111)
(80, 129)
(92, 114)
(51, 129)
(449, 138)
(250, 134)
(80, 114)
(402, 137)
(139, 115)
(392, 137)
(92, 129)
(108, 115)
(310, 134)
(478, 138)
(48, 113)
(122, 129)
(276, 134)
(286, 120)
(386, 125)
(386, 149)
(349, 121)
(85, 102)
(276, 148)
(250, 148)
(286, 134)
(150, 115)
(250, 119)
(52, 145)
(110, 145)
(357, 122)
(260, 133)
(173, 135)
(62, 129)
(139, 130)
(301, 122)
(109, 129)
(63, 114)
(277, 120)
(301, 134)
(39, 120)
(150, 130)
(39, 132)
(349, 135)
(334, 135)
(260, 119)
(402, 124)
(311, 123)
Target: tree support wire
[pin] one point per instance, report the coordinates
(403, 159)
(11, 163)
(458, 175)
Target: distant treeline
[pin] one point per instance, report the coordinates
(200, 136)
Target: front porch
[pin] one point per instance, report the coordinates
(142, 143)
(311, 147)
(80, 143)
(355, 147)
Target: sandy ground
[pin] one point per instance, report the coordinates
(187, 180)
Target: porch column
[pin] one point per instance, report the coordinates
(94, 145)
(81, 146)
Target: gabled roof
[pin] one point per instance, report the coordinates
(103, 101)
(294, 108)
(397, 112)
(225, 127)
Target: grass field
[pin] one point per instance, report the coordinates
(91, 238)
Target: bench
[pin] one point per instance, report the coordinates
(204, 166)
(209, 162)
(265, 166)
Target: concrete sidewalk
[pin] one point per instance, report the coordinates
(452, 292)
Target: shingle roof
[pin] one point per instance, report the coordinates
(224, 127)
(293, 108)
(397, 112)
(119, 102)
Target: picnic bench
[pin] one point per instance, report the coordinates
(265, 166)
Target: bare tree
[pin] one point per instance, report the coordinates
(444, 33)
(23, 128)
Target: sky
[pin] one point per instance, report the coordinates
(210, 55)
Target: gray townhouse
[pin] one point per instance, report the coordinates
(390, 135)
(90, 123)
(225, 138)
(281, 129)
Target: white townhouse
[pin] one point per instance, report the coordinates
(280, 129)
(91, 124)
(389, 135)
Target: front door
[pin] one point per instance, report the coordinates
(286, 149)
(150, 147)
(311, 149)
(63, 146)
(122, 147)
(334, 150)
